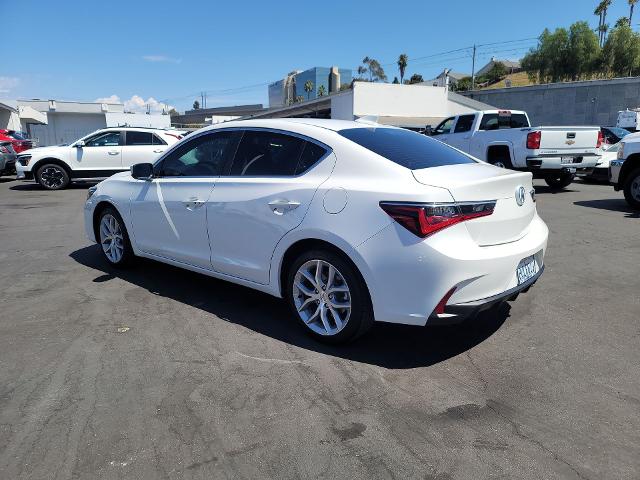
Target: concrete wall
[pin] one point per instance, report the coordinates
(342, 106)
(9, 120)
(594, 102)
(67, 127)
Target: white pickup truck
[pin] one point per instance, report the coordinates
(505, 138)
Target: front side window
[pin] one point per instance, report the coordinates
(264, 153)
(203, 156)
(107, 139)
(444, 127)
(139, 138)
(464, 123)
(409, 149)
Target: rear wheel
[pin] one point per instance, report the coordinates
(114, 239)
(560, 180)
(329, 297)
(502, 162)
(632, 189)
(52, 177)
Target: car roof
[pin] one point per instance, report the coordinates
(142, 129)
(288, 123)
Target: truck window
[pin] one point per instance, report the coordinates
(444, 127)
(493, 121)
(465, 122)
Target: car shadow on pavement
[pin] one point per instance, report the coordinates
(386, 345)
(29, 187)
(544, 189)
(611, 204)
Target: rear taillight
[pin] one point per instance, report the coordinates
(533, 140)
(426, 219)
(600, 139)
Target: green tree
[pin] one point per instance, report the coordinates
(632, 5)
(403, 60)
(462, 85)
(621, 52)
(395, 81)
(196, 105)
(583, 51)
(415, 78)
(601, 10)
(372, 69)
(299, 99)
(322, 91)
(495, 74)
(173, 112)
(622, 21)
(308, 87)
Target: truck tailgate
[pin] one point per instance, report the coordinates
(568, 140)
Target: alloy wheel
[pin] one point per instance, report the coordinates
(322, 297)
(111, 238)
(52, 177)
(499, 163)
(635, 188)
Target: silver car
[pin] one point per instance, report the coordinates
(7, 159)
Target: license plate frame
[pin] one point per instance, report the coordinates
(566, 160)
(527, 269)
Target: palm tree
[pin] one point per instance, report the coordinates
(601, 10)
(402, 65)
(308, 87)
(322, 91)
(632, 4)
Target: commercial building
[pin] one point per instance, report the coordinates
(210, 116)
(409, 106)
(323, 79)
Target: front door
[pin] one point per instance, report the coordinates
(267, 192)
(101, 155)
(169, 212)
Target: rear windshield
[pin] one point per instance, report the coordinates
(409, 149)
(494, 121)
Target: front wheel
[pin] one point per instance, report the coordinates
(632, 189)
(327, 294)
(114, 239)
(52, 177)
(560, 180)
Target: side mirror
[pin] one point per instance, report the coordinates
(142, 171)
(428, 130)
(79, 144)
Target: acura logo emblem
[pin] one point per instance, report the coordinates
(520, 195)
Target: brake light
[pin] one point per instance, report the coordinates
(533, 140)
(600, 139)
(424, 220)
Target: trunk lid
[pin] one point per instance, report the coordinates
(477, 182)
(568, 140)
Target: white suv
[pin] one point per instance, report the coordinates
(95, 156)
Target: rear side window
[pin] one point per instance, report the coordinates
(139, 138)
(409, 149)
(266, 153)
(310, 156)
(158, 141)
(493, 121)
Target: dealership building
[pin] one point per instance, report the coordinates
(285, 92)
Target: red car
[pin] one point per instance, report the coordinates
(19, 142)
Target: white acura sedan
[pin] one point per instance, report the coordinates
(348, 222)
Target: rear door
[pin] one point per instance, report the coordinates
(141, 147)
(101, 155)
(265, 194)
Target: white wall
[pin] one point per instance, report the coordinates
(67, 127)
(137, 120)
(9, 120)
(386, 99)
(342, 106)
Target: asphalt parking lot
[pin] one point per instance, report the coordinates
(156, 372)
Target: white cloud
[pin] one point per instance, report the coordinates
(7, 83)
(161, 58)
(137, 104)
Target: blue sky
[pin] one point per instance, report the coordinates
(170, 51)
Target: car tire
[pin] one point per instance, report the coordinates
(632, 189)
(504, 162)
(52, 176)
(113, 239)
(323, 311)
(559, 181)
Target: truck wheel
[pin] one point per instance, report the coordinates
(501, 162)
(632, 189)
(559, 181)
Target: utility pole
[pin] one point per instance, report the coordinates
(473, 69)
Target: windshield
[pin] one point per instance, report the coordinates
(409, 149)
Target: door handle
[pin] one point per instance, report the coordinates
(280, 206)
(158, 151)
(111, 152)
(193, 203)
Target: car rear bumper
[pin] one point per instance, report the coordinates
(407, 277)
(557, 162)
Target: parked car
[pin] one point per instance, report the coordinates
(93, 157)
(18, 140)
(612, 135)
(629, 119)
(348, 221)
(601, 171)
(624, 172)
(506, 139)
(7, 158)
